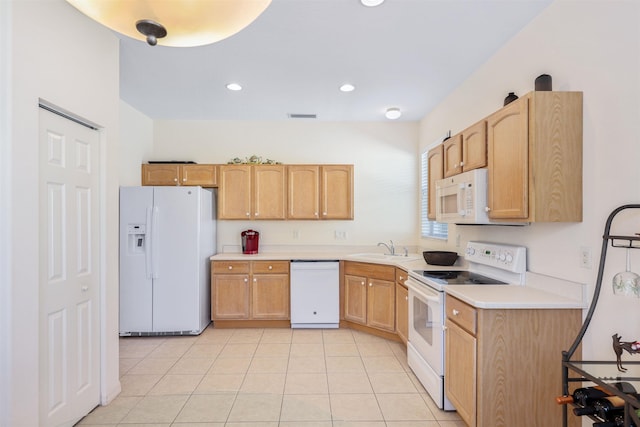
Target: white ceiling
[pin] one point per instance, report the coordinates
(405, 53)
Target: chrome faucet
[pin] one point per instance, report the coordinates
(391, 249)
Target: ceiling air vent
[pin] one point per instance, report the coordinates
(302, 116)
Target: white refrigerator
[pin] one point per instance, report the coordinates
(167, 235)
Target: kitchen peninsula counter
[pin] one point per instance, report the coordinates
(540, 292)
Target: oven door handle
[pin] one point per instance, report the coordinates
(419, 289)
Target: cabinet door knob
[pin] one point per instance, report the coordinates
(487, 209)
(248, 214)
(255, 280)
(370, 284)
(184, 179)
(324, 213)
(406, 298)
(175, 179)
(362, 283)
(455, 312)
(246, 279)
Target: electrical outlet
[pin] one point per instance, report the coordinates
(340, 235)
(585, 257)
(296, 234)
(457, 240)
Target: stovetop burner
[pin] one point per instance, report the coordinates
(448, 277)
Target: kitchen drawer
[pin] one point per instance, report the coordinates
(372, 271)
(462, 314)
(265, 267)
(401, 276)
(230, 267)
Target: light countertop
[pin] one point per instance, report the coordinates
(541, 292)
(411, 262)
(510, 296)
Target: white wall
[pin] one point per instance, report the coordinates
(61, 56)
(136, 143)
(592, 47)
(385, 172)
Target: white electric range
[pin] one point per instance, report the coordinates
(489, 264)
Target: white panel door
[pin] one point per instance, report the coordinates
(175, 249)
(69, 332)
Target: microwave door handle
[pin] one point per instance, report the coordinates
(461, 191)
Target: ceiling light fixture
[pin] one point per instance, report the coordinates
(371, 3)
(393, 113)
(234, 86)
(347, 87)
(178, 23)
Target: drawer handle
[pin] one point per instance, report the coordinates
(270, 267)
(455, 312)
(231, 267)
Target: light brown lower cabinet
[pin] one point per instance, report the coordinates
(402, 305)
(250, 290)
(369, 295)
(502, 366)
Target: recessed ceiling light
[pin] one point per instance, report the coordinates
(393, 113)
(234, 86)
(347, 87)
(371, 3)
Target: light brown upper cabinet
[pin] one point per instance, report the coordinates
(179, 174)
(466, 150)
(452, 152)
(252, 192)
(474, 146)
(534, 150)
(435, 170)
(320, 192)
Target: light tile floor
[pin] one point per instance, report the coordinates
(268, 378)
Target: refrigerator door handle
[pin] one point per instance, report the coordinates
(147, 250)
(154, 243)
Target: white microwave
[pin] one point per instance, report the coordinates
(462, 198)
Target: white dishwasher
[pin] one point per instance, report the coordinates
(315, 293)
